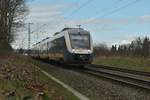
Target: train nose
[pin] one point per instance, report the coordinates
(82, 57)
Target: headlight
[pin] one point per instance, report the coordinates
(73, 50)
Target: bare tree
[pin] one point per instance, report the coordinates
(12, 13)
(113, 49)
(101, 49)
(146, 47)
(140, 47)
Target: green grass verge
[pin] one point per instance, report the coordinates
(138, 64)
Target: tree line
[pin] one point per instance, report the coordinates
(140, 47)
(12, 13)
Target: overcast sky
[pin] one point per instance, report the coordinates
(109, 21)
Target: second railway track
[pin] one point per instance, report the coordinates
(130, 77)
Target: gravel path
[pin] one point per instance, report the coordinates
(76, 93)
(94, 88)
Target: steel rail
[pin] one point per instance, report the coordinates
(134, 79)
(143, 73)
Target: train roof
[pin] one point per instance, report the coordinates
(58, 34)
(68, 29)
(71, 29)
(45, 39)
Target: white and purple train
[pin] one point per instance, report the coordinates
(70, 46)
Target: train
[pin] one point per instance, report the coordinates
(69, 46)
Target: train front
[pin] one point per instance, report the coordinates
(80, 46)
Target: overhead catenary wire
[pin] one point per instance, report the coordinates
(43, 25)
(76, 10)
(120, 8)
(113, 11)
(80, 7)
(104, 10)
(25, 37)
(105, 14)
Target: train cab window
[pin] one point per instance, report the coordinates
(80, 41)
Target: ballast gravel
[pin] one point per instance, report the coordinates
(95, 88)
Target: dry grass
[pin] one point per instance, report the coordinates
(139, 64)
(19, 79)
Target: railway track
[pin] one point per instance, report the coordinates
(129, 77)
(122, 70)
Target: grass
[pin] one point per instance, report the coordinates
(23, 76)
(132, 63)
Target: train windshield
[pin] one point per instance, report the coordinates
(80, 41)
